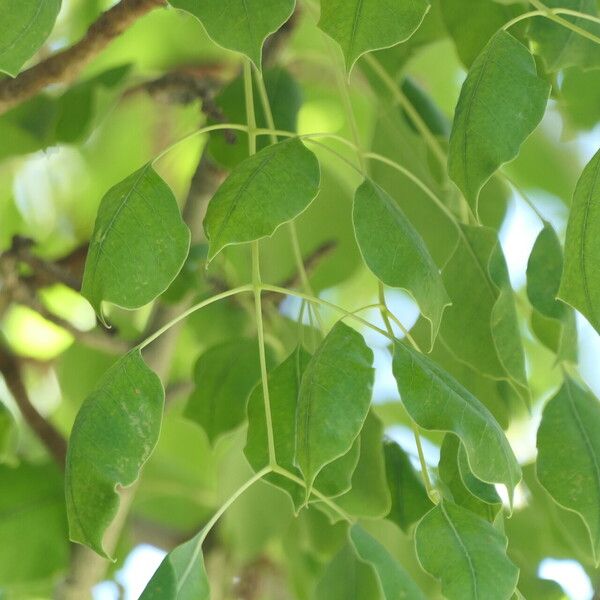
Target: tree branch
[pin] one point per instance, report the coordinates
(49, 436)
(63, 67)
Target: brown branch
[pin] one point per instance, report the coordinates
(48, 435)
(65, 66)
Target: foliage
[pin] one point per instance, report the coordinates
(246, 218)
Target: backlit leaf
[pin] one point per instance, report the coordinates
(395, 582)
(568, 462)
(181, 575)
(501, 102)
(437, 402)
(409, 497)
(580, 286)
(114, 434)
(240, 25)
(560, 47)
(25, 26)
(224, 376)
(360, 26)
(139, 243)
(466, 553)
(266, 190)
(395, 252)
(335, 394)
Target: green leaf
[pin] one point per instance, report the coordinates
(560, 47)
(580, 286)
(568, 461)
(266, 190)
(395, 582)
(8, 435)
(396, 253)
(579, 99)
(181, 575)
(481, 327)
(369, 495)
(336, 584)
(466, 553)
(334, 399)
(409, 497)
(284, 387)
(114, 434)
(437, 402)
(32, 521)
(240, 25)
(224, 376)
(501, 102)
(139, 243)
(471, 23)
(360, 26)
(544, 270)
(465, 489)
(25, 26)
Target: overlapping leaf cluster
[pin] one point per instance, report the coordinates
(423, 221)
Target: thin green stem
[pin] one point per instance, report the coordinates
(544, 13)
(327, 304)
(524, 196)
(522, 17)
(256, 278)
(408, 107)
(384, 310)
(554, 16)
(281, 471)
(207, 129)
(192, 309)
(431, 491)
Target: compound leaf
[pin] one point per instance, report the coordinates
(264, 191)
(139, 243)
(114, 434)
(396, 253)
(501, 102)
(568, 461)
(466, 553)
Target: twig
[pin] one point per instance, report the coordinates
(48, 435)
(65, 66)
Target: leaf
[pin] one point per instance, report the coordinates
(396, 253)
(347, 578)
(579, 99)
(181, 575)
(25, 26)
(334, 399)
(8, 435)
(471, 23)
(114, 434)
(369, 495)
(465, 489)
(266, 190)
(284, 387)
(240, 25)
(560, 47)
(579, 286)
(466, 553)
(409, 497)
(568, 461)
(360, 26)
(224, 376)
(395, 582)
(481, 328)
(32, 521)
(285, 98)
(501, 102)
(139, 243)
(437, 402)
(544, 270)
